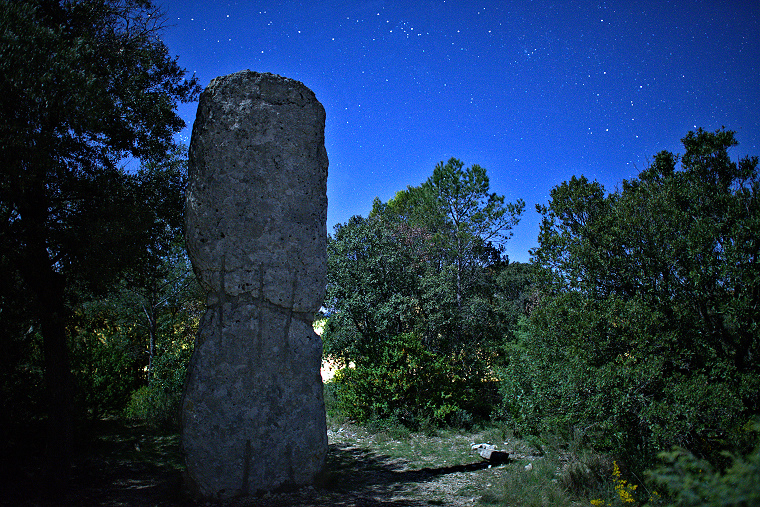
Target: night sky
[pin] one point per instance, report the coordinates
(534, 91)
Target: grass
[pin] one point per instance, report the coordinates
(130, 464)
(554, 476)
(138, 444)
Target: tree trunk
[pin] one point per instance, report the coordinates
(48, 287)
(150, 314)
(60, 399)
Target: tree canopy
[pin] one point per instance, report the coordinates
(646, 335)
(83, 85)
(418, 278)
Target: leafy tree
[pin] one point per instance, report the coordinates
(162, 277)
(83, 84)
(422, 262)
(105, 358)
(464, 227)
(647, 333)
(410, 282)
(170, 310)
(513, 293)
(475, 216)
(137, 337)
(150, 315)
(372, 289)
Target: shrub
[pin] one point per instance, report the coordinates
(158, 403)
(690, 481)
(154, 406)
(646, 334)
(413, 386)
(626, 399)
(105, 363)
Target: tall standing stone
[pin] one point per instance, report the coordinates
(253, 415)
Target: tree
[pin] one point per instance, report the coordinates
(372, 289)
(160, 276)
(446, 236)
(647, 332)
(83, 84)
(513, 293)
(475, 216)
(577, 211)
(412, 287)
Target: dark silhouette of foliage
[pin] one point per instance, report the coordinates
(83, 84)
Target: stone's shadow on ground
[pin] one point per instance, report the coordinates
(357, 476)
(356, 465)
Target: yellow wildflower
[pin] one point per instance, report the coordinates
(622, 488)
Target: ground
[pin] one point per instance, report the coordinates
(135, 466)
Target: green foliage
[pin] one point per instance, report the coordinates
(473, 213)
(111, 353)
(157, 404)
(423, 265)
(475, 223)
(120, 339)
(154, 406)
(170, 365)
(372, 289)
(105, 359)
(690, 481)
(84, 84)
(513, 293)
(645, 334)
(413, 386)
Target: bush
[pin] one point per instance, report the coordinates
(646, 334)
(414, 387)
(154, 406)
(158, 403)
(690, 481)
(330, 398)
(106, 365)
(628, 403)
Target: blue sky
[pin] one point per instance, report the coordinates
(534, 91)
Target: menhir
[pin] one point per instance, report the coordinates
(253, 416)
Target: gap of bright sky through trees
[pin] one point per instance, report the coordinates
(535, 92)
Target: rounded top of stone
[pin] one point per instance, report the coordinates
(266, 86)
